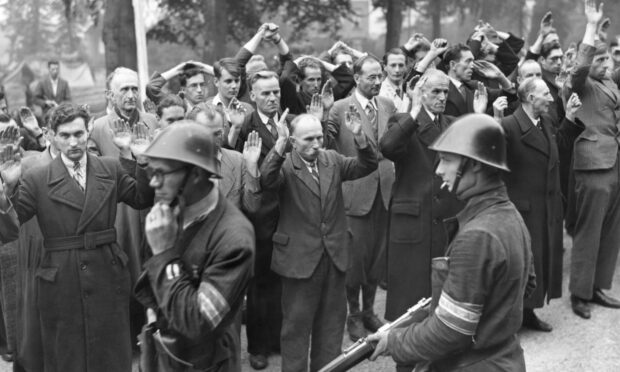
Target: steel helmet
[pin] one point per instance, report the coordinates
(187, 142)
(476, 136)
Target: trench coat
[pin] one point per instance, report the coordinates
(534, 187)
(83, 292)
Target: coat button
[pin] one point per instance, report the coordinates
(436, 221)
(113, 262)
(436, 197)
(83, 266)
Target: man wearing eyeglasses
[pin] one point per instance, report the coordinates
(83, 280)
(365, 200)
(203, 250)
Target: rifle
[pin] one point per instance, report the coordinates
(362, 348)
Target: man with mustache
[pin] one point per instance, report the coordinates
(366, 199)
(310, 244)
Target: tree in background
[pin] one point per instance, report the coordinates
(236, 21)
(119, 35)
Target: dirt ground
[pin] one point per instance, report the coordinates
(574, 345)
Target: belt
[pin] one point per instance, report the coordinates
(89, 240)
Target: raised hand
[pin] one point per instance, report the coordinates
(414, 91)
(562, 78)
(10, 137)
(487, 69)
(316, 107)
(572, 106)
(282, 127)
(29, 121)
(327, 96)
(252, 147)
(122, 133)
(490, 33)
(546, 24)
(10, 165)
(150, 106)
(415, 40)
(140, 139)
(603, 27)
(593, 14)
(236, 113)
(500, 104)
(481, 99)
(353, 120)
(271, 31)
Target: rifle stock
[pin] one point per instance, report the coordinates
(362, 348)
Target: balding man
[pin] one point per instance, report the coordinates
(419, 204)
(123, 95)
(310, 244)
(534, 146)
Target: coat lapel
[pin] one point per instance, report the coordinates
(230, 176)
(326, 176)
(100, 185)
(382, 118)
(427, 130)
(530, 135)
(62, 187)
(366, 126)
(267, 139)
(553, 150)
(302, 172)
(457, 97)
(607, 89)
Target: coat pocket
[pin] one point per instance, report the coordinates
(281, 239)
(405, 223)
(47, 273)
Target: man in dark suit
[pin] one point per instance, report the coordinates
(534, 145)
(596, 166)
(74, 199)
(466, 95)
(52, 90)
(366, 200)
(419, 204)
(264, 316)
(310, 244)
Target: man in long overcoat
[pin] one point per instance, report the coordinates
(83, 278)
(419, 204)
(534, 145)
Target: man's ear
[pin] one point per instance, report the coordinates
(452, 64)
(356, 77)
(252, 96)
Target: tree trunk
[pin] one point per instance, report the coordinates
(119, 35)
(436, 18)
(394, 20)
(36, 35)
(216, 11)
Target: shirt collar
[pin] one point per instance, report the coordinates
(308, 164)
(430, 114)
(534, 121)
(265, 119)
(69, 163)
(456, 83)
(217, 100)
(364, 101)
(491, 194)
(201, 209)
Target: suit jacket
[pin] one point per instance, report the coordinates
(44, 91)
(266, 218)
(94, 283)
(418, 207)
(597, 147)
(457, 105)
(312, 216)
(533, 185)
(359, 195)
(237, 185)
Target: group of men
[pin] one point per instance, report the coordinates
(445, 171)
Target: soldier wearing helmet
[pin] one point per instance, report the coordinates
(479, 286)
(203, 250)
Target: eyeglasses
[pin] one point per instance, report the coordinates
(159, 174)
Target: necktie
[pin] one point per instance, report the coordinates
(463, 91)
(398, 92)
(272, 128)
(314, 173)
(371, 114)
(538, 125)
(78, 176)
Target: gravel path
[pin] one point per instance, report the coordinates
(574, 345)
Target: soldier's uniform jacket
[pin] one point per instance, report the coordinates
(197, 288)
(478, 291)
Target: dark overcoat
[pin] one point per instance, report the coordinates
(534, 187)
(417, 209)
(83, 293)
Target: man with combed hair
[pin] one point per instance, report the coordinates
(419, 203)
(535, 144)
(310, 244)
(480, 283)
